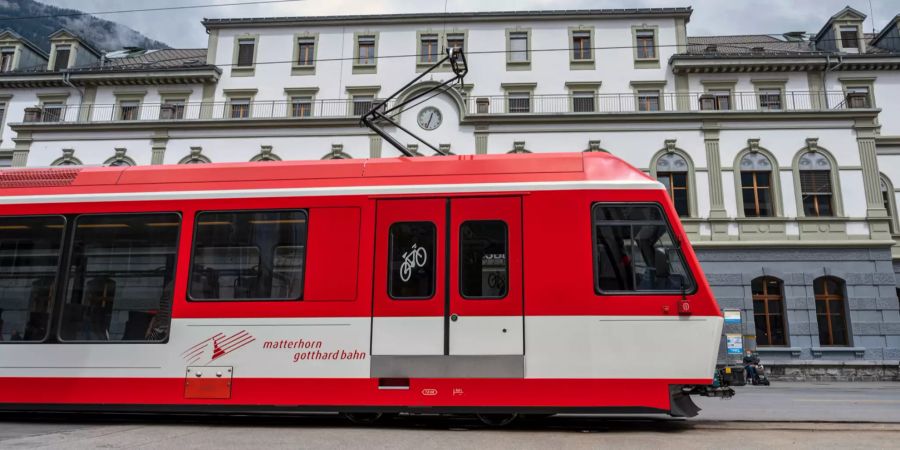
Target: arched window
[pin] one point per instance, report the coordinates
(119, 159)
(337, 152)
(768, 311)
(196, 157)
(831, 311)
(672, 172)
(265, 155)
(519, 147)
(67, 159)
(890, 202)
(756, 185)
(816, 190)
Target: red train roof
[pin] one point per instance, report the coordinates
(444, 170)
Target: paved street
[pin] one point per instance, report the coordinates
(797, 415)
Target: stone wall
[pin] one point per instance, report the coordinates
(834, 372)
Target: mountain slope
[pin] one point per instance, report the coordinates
(103, 34)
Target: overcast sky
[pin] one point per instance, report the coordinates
(182, 28)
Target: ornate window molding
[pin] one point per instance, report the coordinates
(196, 157)
(889, 197)
(758, 154)
(119, 159)
(670, 159)
(337, 152)
(594, 146)
(519, 147)
(265, 155)
(813, 154)
(245, 70)
(67, 159)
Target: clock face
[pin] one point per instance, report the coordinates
(430, 118)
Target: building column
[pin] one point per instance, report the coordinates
(714, 169)
(23, 147)
(158, 147)
(682, 93)
(865, 139)
(375, 146)
(209, 97)
(481, 140)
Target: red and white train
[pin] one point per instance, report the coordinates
(468, 284)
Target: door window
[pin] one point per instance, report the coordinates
(411, 274)
(483, 259)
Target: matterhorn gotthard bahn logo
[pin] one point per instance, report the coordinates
(216, 346)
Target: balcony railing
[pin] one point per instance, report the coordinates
(475, 105)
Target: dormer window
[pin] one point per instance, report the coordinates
(6, 59)
(849, 38)
(62, 57)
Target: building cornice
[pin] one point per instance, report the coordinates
(723, 63)
(111, 77)
(488, 16)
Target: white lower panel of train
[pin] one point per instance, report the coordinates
(613, 347)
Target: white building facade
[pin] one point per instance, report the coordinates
(781, 153)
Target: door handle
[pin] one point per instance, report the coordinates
(454, 317)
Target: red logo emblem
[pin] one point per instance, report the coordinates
(216, 346)
(429, 392)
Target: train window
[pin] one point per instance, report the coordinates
(29, 260)
(483, 259)
(634, 251)
(120, 278)
(249, 255)
(411, 274)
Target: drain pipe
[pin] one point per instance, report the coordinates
(68, 83)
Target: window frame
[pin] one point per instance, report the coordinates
(62, 287)
(365, 68)
(524, 64)
(765, 299)
(60, 275)
(844, 314)
(304, 69)
(422, 58)
(244, 71)
(582, 63)
(677, 245)
(190, 260)
(390, 253)
(637, 34)
(460, 260)
(69, 49)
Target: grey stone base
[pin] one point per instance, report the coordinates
(834, 372)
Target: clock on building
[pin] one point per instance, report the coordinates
(430, 118)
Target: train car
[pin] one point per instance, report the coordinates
(491, 285)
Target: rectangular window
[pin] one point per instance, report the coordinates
(722, 99)
(768, 311)
(51, 111)
(756, 193)
(858, 97)
(518, 46)
(816, 192)
(581, 46)
(583, 101)
(129, 109)
(29, 260)
(120, 276)
(646, 44)
(62, 57)
(483, 259)
(634, 251)
(366, 51)
(301, 106)
(770, 99)
(250, 255)
(411, 271)
(428, 48)
(849, 38)
(172, 109)
(306, 51)
(648, 100)
(519, 102)
(6, 59)
(362, 104)
(240, 108)
(456, 41)
(676, 186)
(246, 48)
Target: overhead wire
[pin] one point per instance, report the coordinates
(161, 8)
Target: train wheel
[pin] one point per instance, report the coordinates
(497, 420)
(364, 418)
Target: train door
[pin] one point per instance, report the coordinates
(448, 277)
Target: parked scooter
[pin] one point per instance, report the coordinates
(755, 370)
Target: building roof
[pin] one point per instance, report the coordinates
(84, 42)
(488, 16)
(847, 11)
(895, 22)
(747, 44)
(170, 58)
(31, 46)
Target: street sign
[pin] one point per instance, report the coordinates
(732, 316)
(734, 342)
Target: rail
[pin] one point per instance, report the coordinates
(516, 104)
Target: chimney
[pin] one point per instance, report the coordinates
(757, 50)
(711, 48)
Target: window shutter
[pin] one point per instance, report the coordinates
(815, 181)
(245, 54)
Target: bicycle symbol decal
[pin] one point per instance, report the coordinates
(415, 257)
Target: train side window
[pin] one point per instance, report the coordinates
(634, 251)
(248, 255)
(120, 278)
(29, 261)
(483, 259)
(411, 274)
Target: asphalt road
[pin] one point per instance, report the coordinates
(795, 415)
